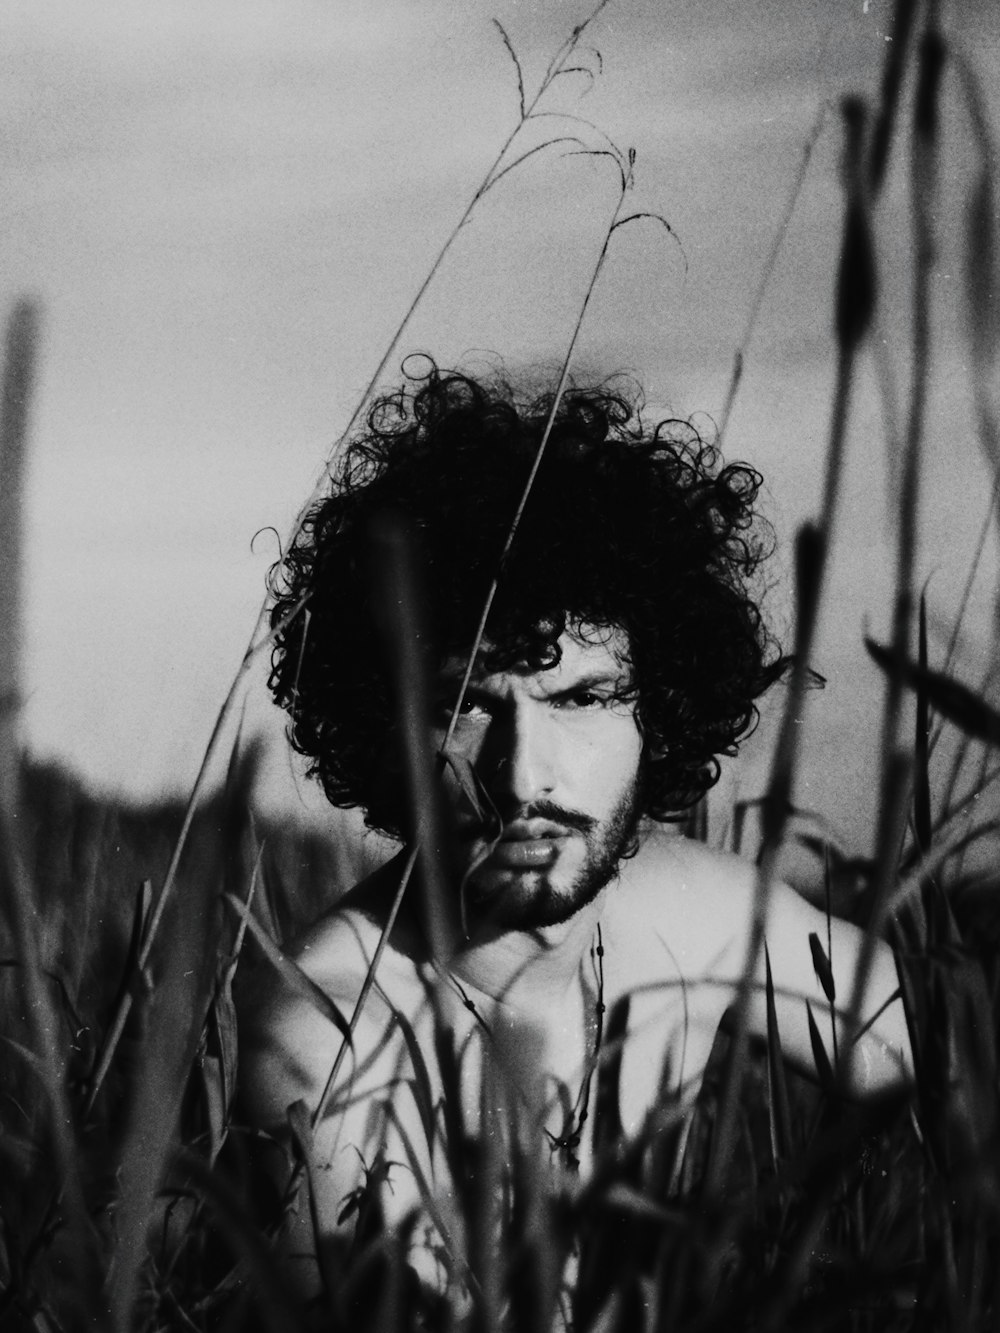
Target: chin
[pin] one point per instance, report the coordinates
(524, 902)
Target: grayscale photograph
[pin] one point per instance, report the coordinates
(500, 730)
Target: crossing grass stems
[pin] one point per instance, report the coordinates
(128, 1199)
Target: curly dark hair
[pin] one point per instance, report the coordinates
(625, 526)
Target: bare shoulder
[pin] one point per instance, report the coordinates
(289, 1038)
(703, 900)
(333, 955)
(692, 900)
(667, 861)
(337, 951)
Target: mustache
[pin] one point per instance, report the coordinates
(556, 814)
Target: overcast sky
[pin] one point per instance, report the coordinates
(226, 208)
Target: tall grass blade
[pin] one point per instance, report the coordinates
(258, 642)
(301, 1127)
(980, 273)
(618, 219)
(857, 284)
(454, 1251)
(398, 600)
(922, 817)
(824, 973)
(291, 974)
(854, 308)
(770, 264)
(975, 564)
(366, 987)
(822, 968)
(168, 1025)
(220, 1043)
(423, 1091)
(953, 700)
(20, 919)
(824, 1069)
(897, 52)
(135, 978)
(272, 1302)
(20, 351)
(981, 262)
(923, 202)
(486, 1242)
(778, 1106)
(517, 66)
(253, 651)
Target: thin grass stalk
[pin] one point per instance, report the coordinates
(989, 518)
(172, 1018)
(42, 1018)
(20, 349)
(897, 51)
(493, 174)
(827, 878)
(770, 264)
(922, 816)
(778, 1109)
(18, 379)
(273, 1304)
(487, 1242)
(923, 193)
(965, 805)
(965, 743)
(366, 987)
(113, 1035)
(982, 268)
(882, 365)
(617, 221)
(812, 552)
(398, 596)
(527, 111)
(855, 304)
(946, 847)
(982, 284)
(955, 701)
(44, 1027)
(978, 785)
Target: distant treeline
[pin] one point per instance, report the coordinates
(89, 855)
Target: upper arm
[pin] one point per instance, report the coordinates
(877, 1059)
(288, 1048)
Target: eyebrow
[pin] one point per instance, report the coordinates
(595, 680)
(616, 680)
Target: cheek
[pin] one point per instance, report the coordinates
(459, 769)
(466, 744)
(612, 759)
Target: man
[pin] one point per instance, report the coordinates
(622, 654)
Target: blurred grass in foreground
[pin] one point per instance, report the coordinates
(127, 1194)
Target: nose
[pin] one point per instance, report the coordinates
(521, 764)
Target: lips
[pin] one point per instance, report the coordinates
(524, 853)
(529, 830)
(524, 844)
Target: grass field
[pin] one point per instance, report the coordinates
(128, 1197)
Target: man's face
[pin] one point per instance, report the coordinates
(557, 752)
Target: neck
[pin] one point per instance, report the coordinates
(523, 969)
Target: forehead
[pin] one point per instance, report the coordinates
(586, 651)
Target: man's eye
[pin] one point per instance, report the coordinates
(584, 699)
(470, 708)
(473, 708)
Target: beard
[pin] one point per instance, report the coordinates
(515, 899)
